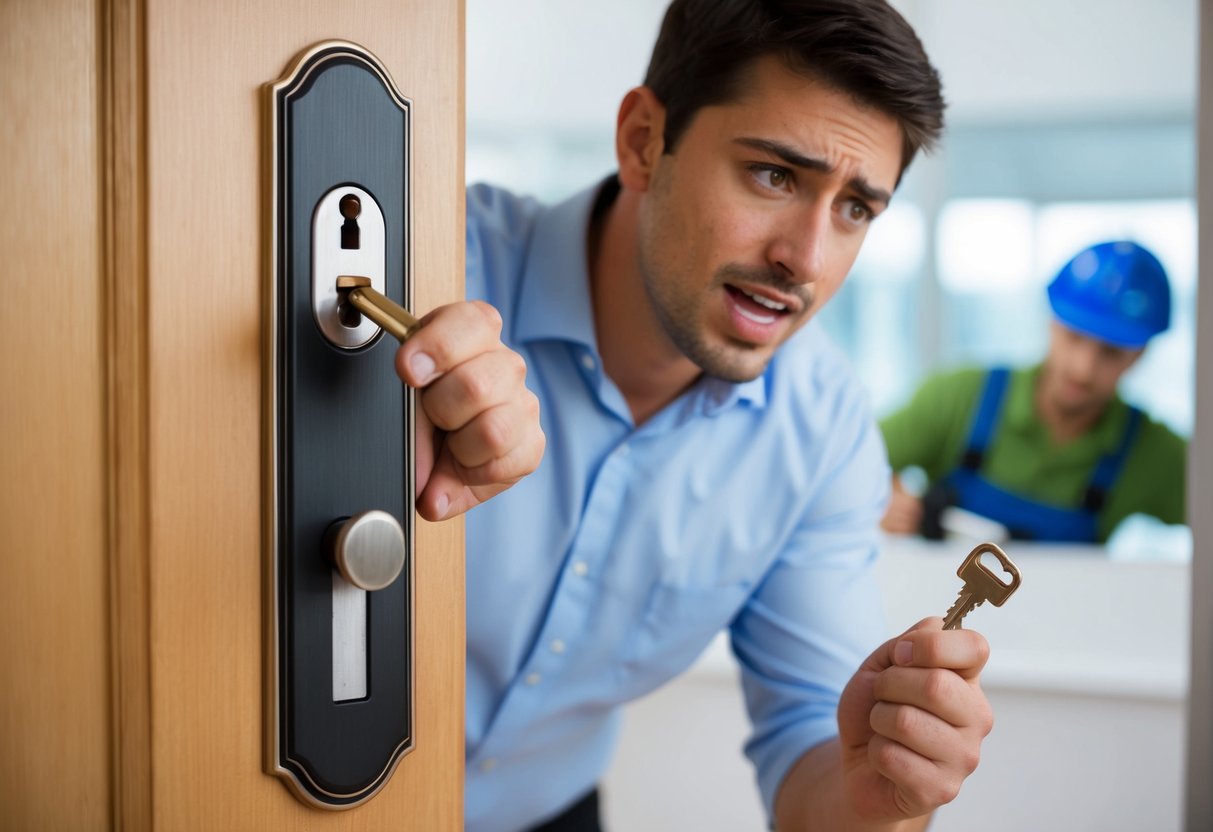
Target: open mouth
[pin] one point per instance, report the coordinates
(757, 308)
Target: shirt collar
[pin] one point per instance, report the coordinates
(554, 299)
(720, 395)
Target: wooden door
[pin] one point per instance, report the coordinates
(133, 249)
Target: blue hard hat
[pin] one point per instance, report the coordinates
(1116, 292)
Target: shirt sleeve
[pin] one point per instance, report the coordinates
(815, 616)
(1172, 497)
(1152, 481)
(498, 227)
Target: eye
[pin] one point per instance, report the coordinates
(772, 177)
(859, 212)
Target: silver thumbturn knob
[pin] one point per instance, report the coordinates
(367, 549)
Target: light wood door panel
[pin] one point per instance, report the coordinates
(134, 465)
(54, 695)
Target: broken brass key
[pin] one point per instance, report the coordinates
(981, 585)
(394, 318)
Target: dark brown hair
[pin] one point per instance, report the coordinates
(862, 47)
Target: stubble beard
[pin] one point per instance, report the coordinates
(680, 316)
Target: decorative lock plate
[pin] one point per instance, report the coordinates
(339, 469)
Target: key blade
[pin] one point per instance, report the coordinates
(964, 604)
(385, 312)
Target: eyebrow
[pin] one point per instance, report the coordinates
(794, 158)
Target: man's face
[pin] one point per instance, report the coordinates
(1081, 372)
(754, 220)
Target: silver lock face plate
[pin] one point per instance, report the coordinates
(330, 261)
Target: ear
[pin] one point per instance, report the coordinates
(639, 138)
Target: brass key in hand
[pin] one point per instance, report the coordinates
(981, 584)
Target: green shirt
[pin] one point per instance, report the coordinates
(933, 430)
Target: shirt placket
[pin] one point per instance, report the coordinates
(565, 625)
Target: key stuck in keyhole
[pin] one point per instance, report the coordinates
(347, 313)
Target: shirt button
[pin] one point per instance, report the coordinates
(533, 679)
(557, 645)
(581, 568)
(488, 765)
(588, 361)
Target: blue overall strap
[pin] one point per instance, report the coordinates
(1025, 517)
(1109, 466)
(985, 419)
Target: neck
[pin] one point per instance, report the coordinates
(637, 354)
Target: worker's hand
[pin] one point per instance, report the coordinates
(477, 423)
(911, 722)
(904, 513)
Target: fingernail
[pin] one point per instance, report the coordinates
(422, 366)
(441, 505)
(903, 653)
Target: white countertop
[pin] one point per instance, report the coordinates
(1081, 621)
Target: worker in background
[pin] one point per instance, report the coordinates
(1050, 452)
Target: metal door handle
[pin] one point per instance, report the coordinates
(367, 549)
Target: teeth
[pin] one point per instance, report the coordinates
(774, 306)
(755, 316)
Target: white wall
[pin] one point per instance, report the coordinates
(537, 64)
(1043, 58)
(534, 65)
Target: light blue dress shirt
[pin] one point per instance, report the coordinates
(606, 572)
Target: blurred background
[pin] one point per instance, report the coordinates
(1068, 123)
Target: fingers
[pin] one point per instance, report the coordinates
(449, 336)
(497, 446)
(920, 784)
(927, 750)
(479, 383)
(928, 714)
(448, 492)
(490, 418)
(903, 515)
(478, 428)
(936, 691)
(927, 644)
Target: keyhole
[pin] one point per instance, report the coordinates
(350, 207)
(351, 238)
(347, 313)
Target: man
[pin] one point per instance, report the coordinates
(1051, 452)
(710, 460)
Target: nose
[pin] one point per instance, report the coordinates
(798, 246)
(1084, 356)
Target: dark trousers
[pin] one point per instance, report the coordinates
(582, 816)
